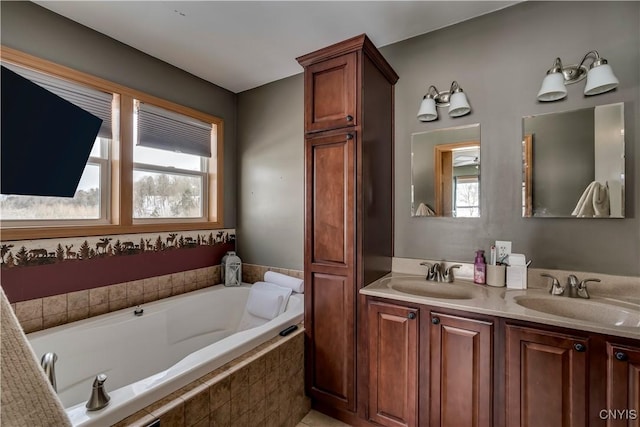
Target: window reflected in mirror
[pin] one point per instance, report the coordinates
(573, 163)
(445, 173)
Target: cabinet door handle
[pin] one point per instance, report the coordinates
(435, 320)
(411, 315)
(621, 356)
(349, 136)
(580, 347)
(349, 118)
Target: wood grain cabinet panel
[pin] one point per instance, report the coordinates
(332, 86)
(330, 302)
(330, 198)
(393, 364)
(546, 375)
(461, 361)
(623, 386)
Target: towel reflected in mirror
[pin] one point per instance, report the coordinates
(594, 202)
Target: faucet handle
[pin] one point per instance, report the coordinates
(447, 276)
(556, 288)
(582, 287)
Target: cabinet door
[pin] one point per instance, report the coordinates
(461, 374)
(330, 94)
(329, 269)
(623, 386)
(393, 364)
(546, 378)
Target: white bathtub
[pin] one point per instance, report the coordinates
(174, 342)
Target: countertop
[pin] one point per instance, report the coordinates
(604, 313)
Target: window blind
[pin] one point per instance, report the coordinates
(94, 101)
(166, 130)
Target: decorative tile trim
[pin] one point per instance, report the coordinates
(263, 387)
(25, 253)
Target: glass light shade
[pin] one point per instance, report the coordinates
(600, 79)
(552, 88)
(459, 106)
(427, 110)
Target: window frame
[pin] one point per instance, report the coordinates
(121, 171)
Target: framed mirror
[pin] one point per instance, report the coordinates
(445, 172)
(573, 163)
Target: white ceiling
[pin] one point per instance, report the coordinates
(240, 45)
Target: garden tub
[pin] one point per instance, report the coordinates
(146, 357)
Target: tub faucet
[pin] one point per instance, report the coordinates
(99, 397)
(48, 363)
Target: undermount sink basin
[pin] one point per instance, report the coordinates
(587, 310)
(421, 287)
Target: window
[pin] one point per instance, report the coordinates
(170, 164)
(154, 166)
(90, 204)
(467, 200)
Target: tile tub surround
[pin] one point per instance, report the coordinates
(47, 312)
(264, 387)
(252, 273)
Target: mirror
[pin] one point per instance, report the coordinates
(445, 172)
(573, 163)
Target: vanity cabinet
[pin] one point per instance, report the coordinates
(623, 383)
(349, 90)
(461, 371)
(546, 378)
(393, 365)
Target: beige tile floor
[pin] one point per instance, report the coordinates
(316, 419)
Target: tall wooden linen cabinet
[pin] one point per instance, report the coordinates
(349, 94)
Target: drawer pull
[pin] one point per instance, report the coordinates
(435, 320)
(349, 136)
(411, 315)
(349, 118)
(623, 357)
(580, 347)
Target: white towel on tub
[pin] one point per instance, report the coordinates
(283, 280)
(267, 300)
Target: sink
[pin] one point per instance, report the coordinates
(592, 310)
(420, 287)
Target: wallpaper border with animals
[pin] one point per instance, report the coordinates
(26, 253)
(41, 268)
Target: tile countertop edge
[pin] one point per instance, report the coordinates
(496, 302)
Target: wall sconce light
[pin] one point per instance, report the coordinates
(454, 98)
(600, 78)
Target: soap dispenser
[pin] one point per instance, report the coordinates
(479, 268)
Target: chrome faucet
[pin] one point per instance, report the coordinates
(447, 276)
(99, 397)
(48, 363)
(579, 289)
(556, 288)
(434, 271)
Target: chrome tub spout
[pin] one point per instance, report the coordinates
(48, 363)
